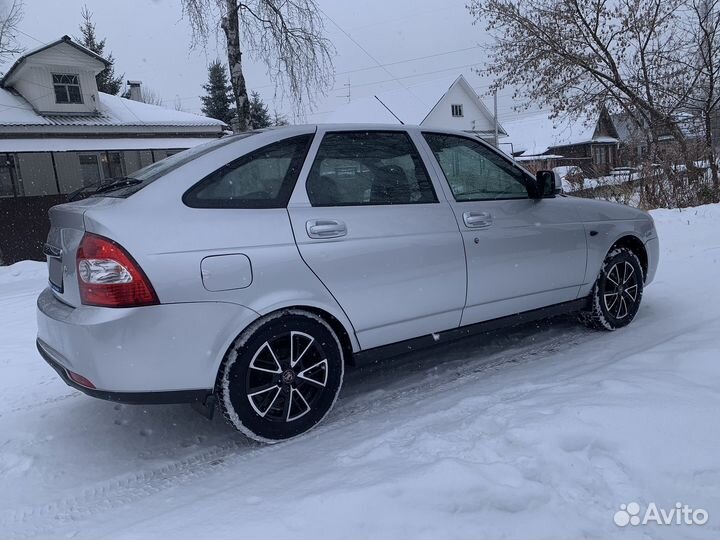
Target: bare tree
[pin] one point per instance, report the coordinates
(575, 56)
(151, 97)
(704, 100)
(11, 13)
(285, 35)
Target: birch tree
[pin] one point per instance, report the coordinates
(287, 36)
(11, 12)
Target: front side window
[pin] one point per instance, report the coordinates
(67, 88)
(368, 168)
(262, 179)
(475, 172)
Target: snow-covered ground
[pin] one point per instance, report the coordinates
(538, 432)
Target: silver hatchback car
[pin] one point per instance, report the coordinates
(245, 273)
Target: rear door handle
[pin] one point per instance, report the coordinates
(325, 228)
(478, 220)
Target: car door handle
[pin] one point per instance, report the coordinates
(478, 220)
(325, 228)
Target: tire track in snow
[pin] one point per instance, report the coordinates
(114, 493)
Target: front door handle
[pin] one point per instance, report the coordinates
(478, 220)
(325, 228)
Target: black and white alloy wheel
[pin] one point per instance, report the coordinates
(617, 292)
(281, 376)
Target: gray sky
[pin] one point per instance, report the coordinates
(151, 42)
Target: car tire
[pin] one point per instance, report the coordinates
(617, 293)
(281, 376)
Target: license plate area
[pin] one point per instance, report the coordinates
(54, 253)
(55, 274)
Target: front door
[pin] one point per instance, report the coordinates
(522, 253)
(369, 223)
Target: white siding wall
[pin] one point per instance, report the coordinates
(33, 79)
(441, 115)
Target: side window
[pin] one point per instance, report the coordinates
(368, 168)
(262, 179)
(474, 172)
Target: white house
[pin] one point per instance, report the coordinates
(58, 134)
(448, 103)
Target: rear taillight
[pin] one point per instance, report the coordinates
(109, 276)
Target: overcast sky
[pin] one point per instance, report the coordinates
(151, 42)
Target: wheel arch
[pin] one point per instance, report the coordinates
(634, 244)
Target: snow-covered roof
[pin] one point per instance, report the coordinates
(410, 105)
(536, 133)
(112, 111)
(87, 144)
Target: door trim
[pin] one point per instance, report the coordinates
(454, 334)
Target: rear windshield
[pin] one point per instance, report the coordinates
(152, 172)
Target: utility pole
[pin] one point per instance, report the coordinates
(497, 144)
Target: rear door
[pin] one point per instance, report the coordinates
(522, 253)
(372, 225)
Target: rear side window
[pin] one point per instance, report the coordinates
(262, 179)
(368, 168)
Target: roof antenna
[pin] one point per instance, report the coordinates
(390, 111)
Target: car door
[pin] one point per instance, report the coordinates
(522, 253)
(369, 223)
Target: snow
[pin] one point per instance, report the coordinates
(113, 111)
(542, 431)
(534, 133)
(14, 110)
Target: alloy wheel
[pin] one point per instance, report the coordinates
(286, 377)
(621, 290)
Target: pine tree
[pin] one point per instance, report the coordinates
(259, 113)
(218, 101)
(280, 119)
(106, 80)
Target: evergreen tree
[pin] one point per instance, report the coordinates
(218, 101)
(259, 113)
(106, 80)
(280, 119)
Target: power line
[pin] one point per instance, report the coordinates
(32, 37)
(363, 49)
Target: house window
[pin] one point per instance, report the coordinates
(67, 88)
(89, 169)
(7, 175)
(457, 110)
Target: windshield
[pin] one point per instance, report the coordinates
(149, 174)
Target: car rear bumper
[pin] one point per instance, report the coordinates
(134, 354)
(158, 398)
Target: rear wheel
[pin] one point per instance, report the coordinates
(617, 292)
(281, 376)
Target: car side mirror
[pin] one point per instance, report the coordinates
(546, 184)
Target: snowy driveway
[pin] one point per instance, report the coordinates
(532, 433)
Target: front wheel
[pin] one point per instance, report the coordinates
(617, 292)
(281, 376)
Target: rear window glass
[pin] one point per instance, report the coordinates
(152, 172)
(264, 178)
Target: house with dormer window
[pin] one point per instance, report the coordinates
(58, 133)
